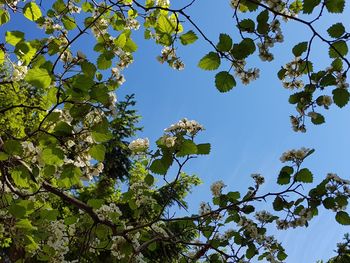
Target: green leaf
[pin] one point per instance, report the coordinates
(21, 176)
(52, 156)
(13, 147)
(285, 175)
(341, 97)
(262, 18)
(299, 49)
(203, 148)
(98, 152)
(104, 61)
(95, 203)
(247, 25)
(149, 179)
(161, 166)
(304, 175)
(14, 37)
(328, 202)
(225, 43)
(335, 6)
(2, 57)
(336, 30)
(281, 255)
(120, 41)
(245, 48)
(224, 81)
(188, 38)
(164, 25)
(278, 204)
(309, 5)
(32, 11)
(317, 118)
(68, 22)
(25, 51)
(343, 218)
(187, 147)
(38, 77)
(251, 252)
(4, 17)
(3, 156)
(70, 176)
(25, 224)
(233, 196)
(211, 61)
(339, 48)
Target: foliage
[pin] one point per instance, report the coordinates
(73, 189)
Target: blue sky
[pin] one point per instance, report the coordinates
(248, 127)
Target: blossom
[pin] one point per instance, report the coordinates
(139, 145)
(19, 71)
(216, 188)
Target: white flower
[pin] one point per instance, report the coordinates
(139, 145)
(19, 71)
(216, 188)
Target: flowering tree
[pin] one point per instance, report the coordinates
(74, 190)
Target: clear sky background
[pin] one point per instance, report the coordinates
(248, 127)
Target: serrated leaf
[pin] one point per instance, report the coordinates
(38, 77)
(13, 147)
(309, 5)
(317, 118)
(335, 6)
(104, 62)
(339, 48)
(203, 148)
(98, 152)
(120, 41)
(32, 11)
(336, 30)
(285, 175)
(224, 81)
(299, 49)
(160, 166)
(343, 218)
(149, 179)
(211, 61)
(225, 43)
(68, 22)
(187, 147)
(14, 37)
(4, 17)
(70, 176)
(188, 38)
(281, 255)
(245, 48)
(304, 175)
(52, 156)
(164, 25)
(341, 97)
(263, 26)
(247, 25)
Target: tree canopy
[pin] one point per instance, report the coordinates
(75, 187)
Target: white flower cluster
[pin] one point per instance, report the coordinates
(216, 188)
(132, 23)
(248, 75)
(263, 216)
(142, 195)
(258, 179)
(305, 215)
(169, 56)
(297, 124)
(117, 242)
(19, 71)
(107, 212)
(325, 101)
(112, 100)
(119, 78)
(139, 145)
(295, 155)
(162, 3)
(293, 70)
(204, 208)
(59, 240)
(189, 126)
(270, 40)
(158, 227)
(168, 140)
